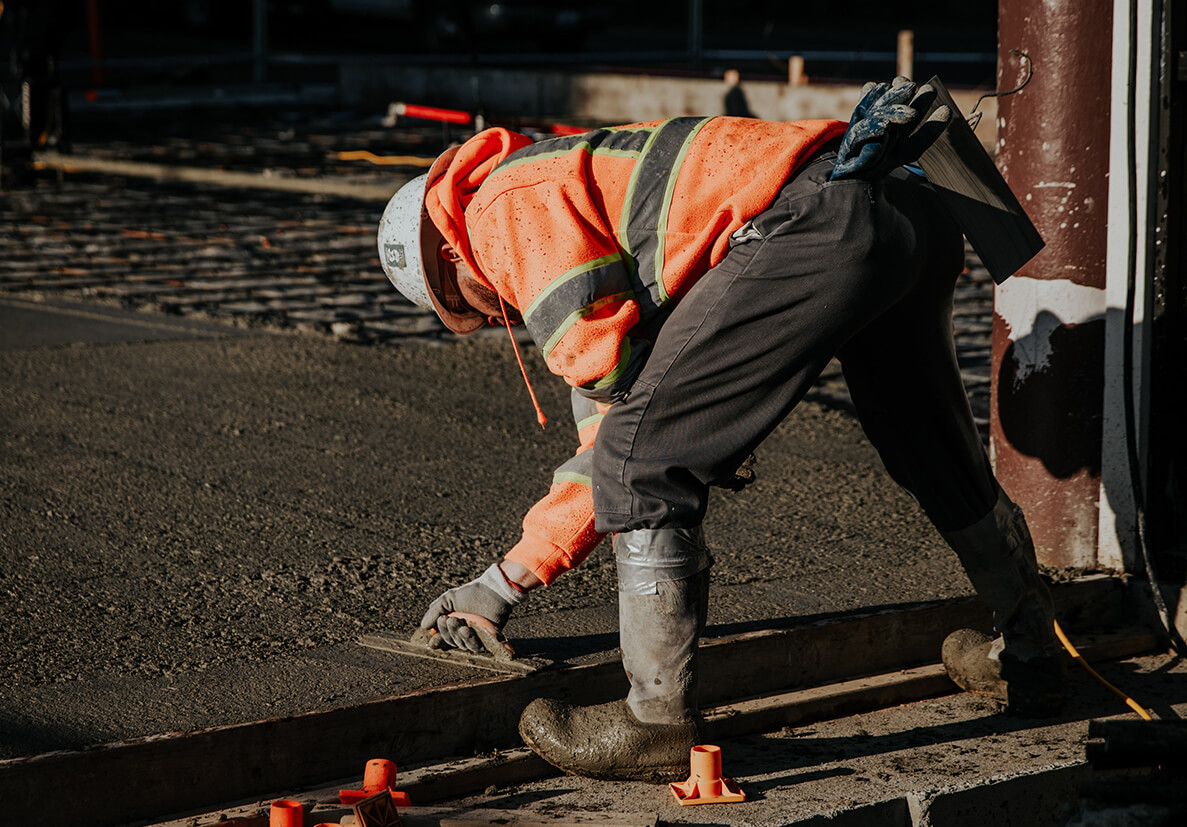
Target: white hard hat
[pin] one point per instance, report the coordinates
(408, 242)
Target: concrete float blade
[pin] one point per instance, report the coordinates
(389, 642)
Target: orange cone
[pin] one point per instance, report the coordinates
(286, 814)
(378, 775)
(705, 785)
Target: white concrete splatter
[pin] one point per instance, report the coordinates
(1033, 309)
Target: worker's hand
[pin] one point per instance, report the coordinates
(888, 129)
(491, 597)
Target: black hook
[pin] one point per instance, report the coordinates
(974, 116)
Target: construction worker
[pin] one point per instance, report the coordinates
(690, 279)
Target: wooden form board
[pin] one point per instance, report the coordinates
(117, 783)
(440, 783)
(759, 663)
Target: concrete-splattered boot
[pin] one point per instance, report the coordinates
(648, 735)
(1024, 667)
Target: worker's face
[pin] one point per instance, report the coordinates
(473, 291)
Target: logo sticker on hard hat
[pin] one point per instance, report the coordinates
(395, 255)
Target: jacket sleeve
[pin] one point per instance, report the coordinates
(547, 248)
(558, 531)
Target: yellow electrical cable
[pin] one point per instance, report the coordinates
(386, 160)
(1130, 702)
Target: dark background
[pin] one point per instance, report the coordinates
(627, 34)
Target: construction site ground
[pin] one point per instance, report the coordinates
(230, 449)
(949, 760)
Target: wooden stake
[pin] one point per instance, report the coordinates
(905, 64)
(795, 71)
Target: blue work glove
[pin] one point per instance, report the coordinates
(888, 129)
(486, 601)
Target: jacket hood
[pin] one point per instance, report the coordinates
(448, 196)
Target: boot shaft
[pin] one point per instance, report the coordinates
(660, 618)
(659, 635)
(998, 556)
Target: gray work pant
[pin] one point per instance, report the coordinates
(855, 269)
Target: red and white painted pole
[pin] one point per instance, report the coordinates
(1057, 432)
(430, 113)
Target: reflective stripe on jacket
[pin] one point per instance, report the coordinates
(592, 237)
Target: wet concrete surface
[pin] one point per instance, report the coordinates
(196, 531)
(206, 499)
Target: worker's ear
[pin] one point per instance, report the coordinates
(449, 254)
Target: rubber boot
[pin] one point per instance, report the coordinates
(648, 735)
(1024, 667)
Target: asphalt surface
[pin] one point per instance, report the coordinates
(202, 507)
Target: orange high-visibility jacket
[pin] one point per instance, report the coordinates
(591, 237)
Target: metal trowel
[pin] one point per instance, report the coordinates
(500, 655)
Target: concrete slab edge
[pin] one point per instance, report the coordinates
(1036, 797)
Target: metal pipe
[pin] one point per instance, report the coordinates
(1049, 319)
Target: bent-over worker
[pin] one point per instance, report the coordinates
(690, 279)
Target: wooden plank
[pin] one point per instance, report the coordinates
(463, 777)
(759, 663)
(834, 649)
(821, 703)
(139, 778)
(1097, 647)
(771, 712)
(217, 177)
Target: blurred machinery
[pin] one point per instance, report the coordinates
(32, 101)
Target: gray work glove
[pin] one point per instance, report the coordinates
(888, 129)
(490, 596)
